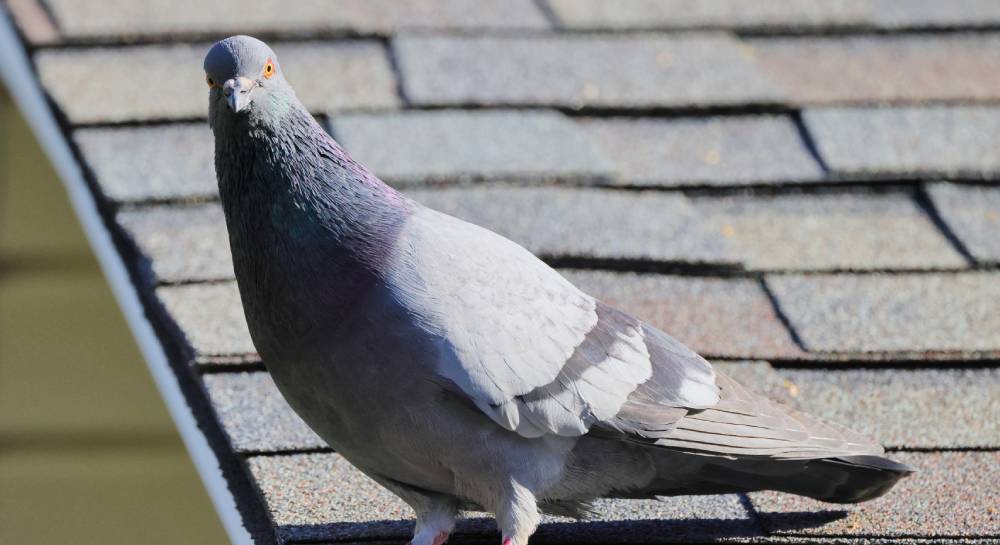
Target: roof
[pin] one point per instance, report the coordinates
(803, 191)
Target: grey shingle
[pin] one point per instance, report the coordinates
(830, 231)
(952, 494)
(210, 317)
(320, 496)
(654, 14)
(925, 141)
(973, 215)
(581, 70)
(449, 145)
(774, 14)
(181, 243)
(922, 314)
(326, 76)
(912, 408)
(714, 316)
(935, 14)
(33, 21)
(255, 416)
(593, 223)
(151, 163)
(882, 68)
(122, 18)
(706, 151)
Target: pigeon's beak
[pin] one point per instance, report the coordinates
(238, 92)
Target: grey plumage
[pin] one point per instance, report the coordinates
(457, 369)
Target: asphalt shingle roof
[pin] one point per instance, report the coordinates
(951, 314)
(865, 69)
(973, 215)
(124, 19)
(573, 71)
(316, 497)
(210, 320)
(577, 222)
(360, 79)
(449, 145)
(718, 317)
(808, 184)
(924, 141)
(953, 494)
(167, 162)
(831, 232)
(705, 150)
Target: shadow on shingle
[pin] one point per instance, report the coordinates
(480, 530)
(799, 520)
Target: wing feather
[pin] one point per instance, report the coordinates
(538, 356)
(530, 350)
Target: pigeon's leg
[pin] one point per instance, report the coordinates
(436, 513)
(517, 514)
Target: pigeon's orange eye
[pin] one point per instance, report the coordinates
(268, 68)
(210, 81)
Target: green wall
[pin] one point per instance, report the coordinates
(88, 453)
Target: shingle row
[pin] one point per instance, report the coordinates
(125, 19)
(116, 84)
(926, 315)
(175, 162)
(953, 494)
(321, 497)
(773, 14)
(120, 19)
(812, 232)
(901, 408)
(844, 316)
(877, 69)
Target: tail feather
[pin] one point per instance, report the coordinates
(843, 479)
(747, 443)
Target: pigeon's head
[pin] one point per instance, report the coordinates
(244, 78)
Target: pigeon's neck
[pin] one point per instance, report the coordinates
(310, 229)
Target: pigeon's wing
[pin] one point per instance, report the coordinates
(533, 352)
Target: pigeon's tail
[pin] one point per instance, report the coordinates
(844, 479)
(747, 443)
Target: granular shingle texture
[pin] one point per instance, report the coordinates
(953, 314)
(834, 231)
(581, 71)
(181, 244)
(873, 69)
(952, 494)
(592, 223)
(169, 162)
(210, 318)
(122, 18)
(683, 14)
(363, 79)
(906, 408)
(454, 145)
(973, 215)
(255, 416)
(705, 151)
(321, 496)
(935, 14)
(925, 141)
(33, 22)
(714, 316)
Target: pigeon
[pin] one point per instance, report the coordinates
(458, 370)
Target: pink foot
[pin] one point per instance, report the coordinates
(441, 538)
(508, 541)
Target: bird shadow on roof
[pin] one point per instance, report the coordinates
(480, 530)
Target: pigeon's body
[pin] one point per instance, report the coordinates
(457, 369)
